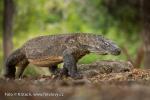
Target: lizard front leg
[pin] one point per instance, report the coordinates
(70, 66)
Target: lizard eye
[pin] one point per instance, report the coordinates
(106, 43)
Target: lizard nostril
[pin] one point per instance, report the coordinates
(118, 51)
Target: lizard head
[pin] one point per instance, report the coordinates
(100, 45)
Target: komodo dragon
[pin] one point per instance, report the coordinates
(51, 50)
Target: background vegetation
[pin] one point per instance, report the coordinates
(116, 20)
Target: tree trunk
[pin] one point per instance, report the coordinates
(145, 15)
(7, 27)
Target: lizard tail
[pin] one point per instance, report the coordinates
(11, 62)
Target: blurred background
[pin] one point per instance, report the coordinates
(127, 22)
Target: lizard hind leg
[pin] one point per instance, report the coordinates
(12, 60)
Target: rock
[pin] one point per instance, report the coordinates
(105, 66)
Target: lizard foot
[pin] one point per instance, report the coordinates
(9, 76)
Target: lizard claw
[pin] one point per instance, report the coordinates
(76, 76)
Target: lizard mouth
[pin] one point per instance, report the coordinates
(99, 53)
(102, 53)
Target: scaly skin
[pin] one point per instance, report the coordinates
(49, 51)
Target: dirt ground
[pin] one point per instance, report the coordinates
(104, 80)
